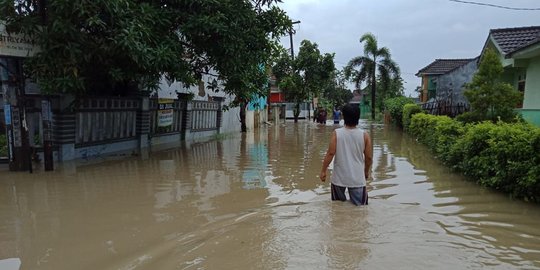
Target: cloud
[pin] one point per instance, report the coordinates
(416, 31)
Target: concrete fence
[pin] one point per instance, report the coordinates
(93, 127)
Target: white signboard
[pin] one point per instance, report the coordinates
(13, 44)
(165, 112)
(165, 118)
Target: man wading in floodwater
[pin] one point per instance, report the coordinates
(351, 148)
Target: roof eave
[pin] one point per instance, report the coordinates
(522, 49)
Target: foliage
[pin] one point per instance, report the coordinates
(409, 110)
(394, 88)
(305, 76)
(118, 47)
(336, 92)
(490, 98)
(3, 145)
(504, 156)
(327, 105)
(394, 106)
(375, 64)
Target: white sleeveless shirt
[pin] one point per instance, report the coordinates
(349, 158)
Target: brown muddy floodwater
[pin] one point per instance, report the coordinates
(255, 202)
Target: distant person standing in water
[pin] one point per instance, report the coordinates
(337, 116)
(351, 147)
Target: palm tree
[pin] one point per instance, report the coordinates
(374, 60)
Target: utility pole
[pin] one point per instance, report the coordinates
(291, 32)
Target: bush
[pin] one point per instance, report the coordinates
(408, 111)
(469, 117)
(422, 126)
(504, 156)
(3, 145)
(394, 106)
(438, 132)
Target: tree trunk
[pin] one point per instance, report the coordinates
(296, 112)
(373, 87)
(243, 106)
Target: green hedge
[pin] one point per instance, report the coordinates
(3, 145)
(394, 106)
(408, 111)
(504, 156)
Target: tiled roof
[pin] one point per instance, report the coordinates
(513, 39)
(443, 66)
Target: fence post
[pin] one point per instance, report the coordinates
(64, 127)
(186, 119)
(143, 122)
(46, 118)
(219, 115)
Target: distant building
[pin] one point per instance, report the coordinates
(444, 79)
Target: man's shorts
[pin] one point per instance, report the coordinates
(359, 195)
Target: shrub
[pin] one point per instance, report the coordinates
(408, 111)
(422, 126)
(3, 145)
(439, 133)
(395, 107)
(504, 156)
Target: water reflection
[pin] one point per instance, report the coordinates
(503, 229)
(254, 201)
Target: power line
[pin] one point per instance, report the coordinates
(493, 5)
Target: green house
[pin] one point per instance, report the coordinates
(519, 50)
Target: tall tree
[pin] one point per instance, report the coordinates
(490, 98)
(394, 88)
(337, 92)
(118, 47)
(306, 76)
(376, 62)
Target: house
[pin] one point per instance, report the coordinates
(362, 98)
(444, 79)
(283, 109)
(519, 51)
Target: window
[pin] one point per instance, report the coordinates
(521, 90)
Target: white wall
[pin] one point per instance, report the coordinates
(231, 118)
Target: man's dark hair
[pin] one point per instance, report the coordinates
(351, 114)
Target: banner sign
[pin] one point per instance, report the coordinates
(7, 114)
(16, 128)
(13, 44)
(165, 112)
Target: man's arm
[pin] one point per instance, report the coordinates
(368, 155)
(330, 153)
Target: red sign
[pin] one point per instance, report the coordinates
(277, 97)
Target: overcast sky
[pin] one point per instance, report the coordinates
(416, 31)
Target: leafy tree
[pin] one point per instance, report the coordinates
(375, 63)
(306, 76)
(490, 98)
(119, 47)
(337, 92)
(393, 89)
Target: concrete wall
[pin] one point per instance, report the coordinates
(451, 85)
(230, 118)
